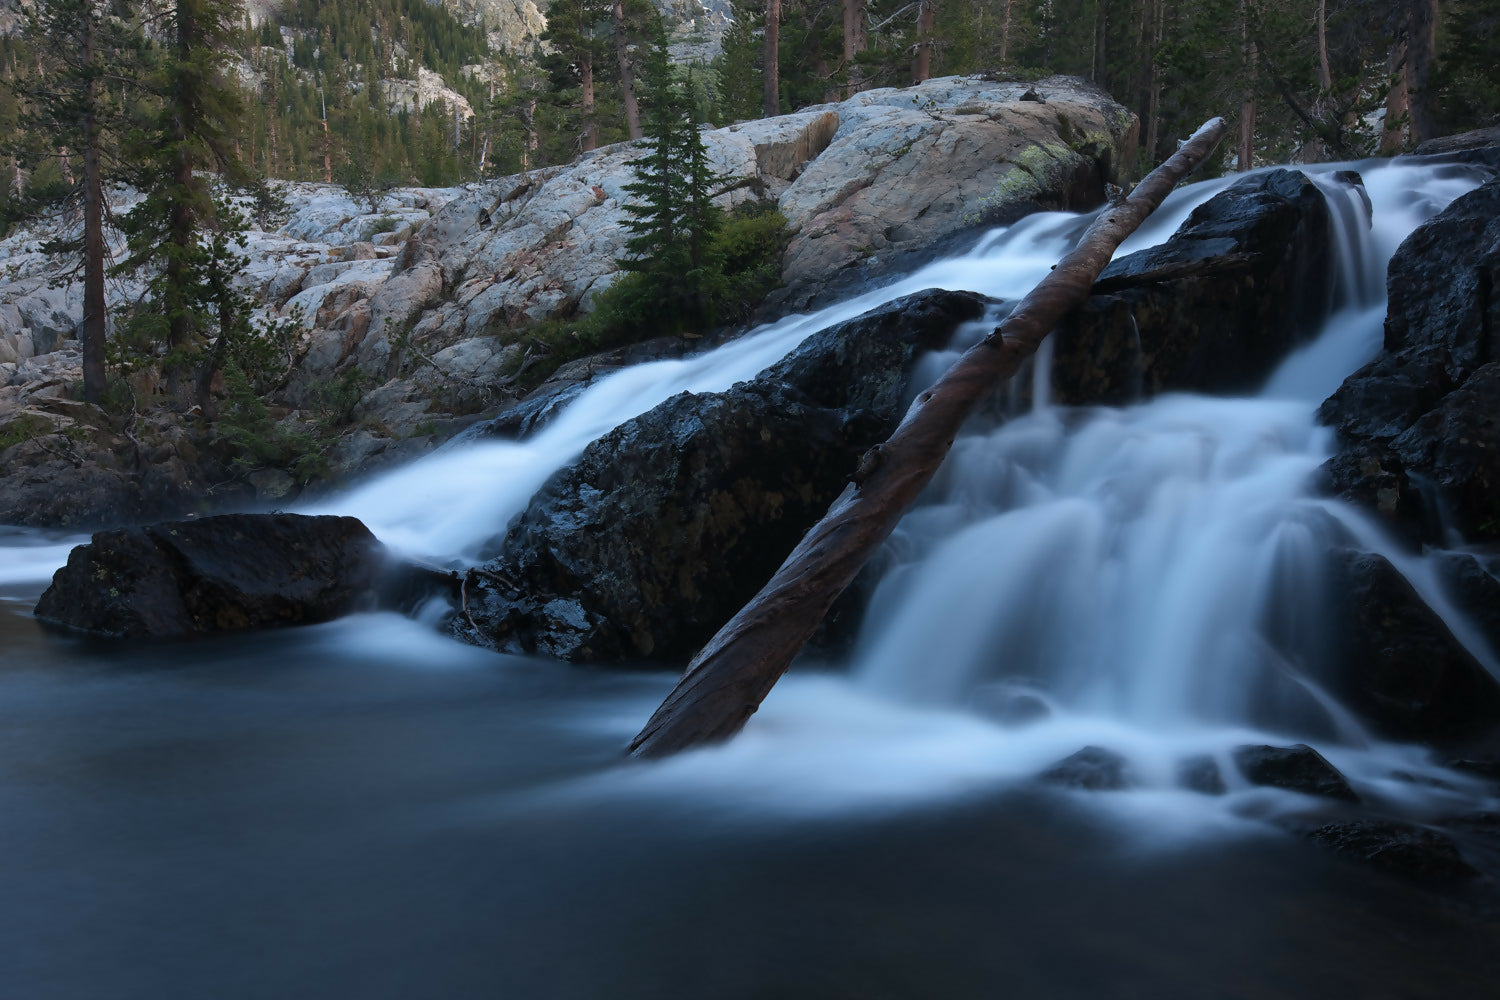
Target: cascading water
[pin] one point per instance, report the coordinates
(1142, 578)
(368, 808)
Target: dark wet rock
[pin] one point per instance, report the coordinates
(1297, 768)
(1244, 280)
(671, 521)
(216, 574)
(1479, 138)
(1400, 667)
(1418, 426)
(1398, 848)
(1201, 774)
(1093, 768)
(1455, 450)
(1472, 580)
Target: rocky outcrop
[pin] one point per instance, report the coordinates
(671, 521)
(418, 303)
(1419, 426)
(1400, 668)
(64, 463)
(909, 167)
(216, 574)
(1214, 309)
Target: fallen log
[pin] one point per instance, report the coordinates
(728, 679)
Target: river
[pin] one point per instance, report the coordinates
(365, 808)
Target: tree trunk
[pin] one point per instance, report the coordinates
(1393, 135)
(627, 74)
(772, 72)
(729, 677)
(180, 229)
(327, 142)
(1246, 156)
(1098, 68)
(91, 338)
(1421, 53)
(1004, 31)
(1153, 90)
(1325, 75)
(856, 40)
(590, 129)
(921, 67)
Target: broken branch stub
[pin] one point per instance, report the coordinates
(730, 676)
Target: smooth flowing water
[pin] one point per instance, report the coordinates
(368, 809)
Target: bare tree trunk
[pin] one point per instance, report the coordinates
(91, 337)
(1004, 31)
(1325, 75)
(532, 139)
(327, 142)
(590, 128)
(1393, 136)
(627, 74)
(1099, 67)
(921, 67)
(772, 72)
(1421, 53)
(1246, 156)
(1153, 88)
(727, 680)
(856, 40)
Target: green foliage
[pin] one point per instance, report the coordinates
(748, 248)
(1467, 80)
(672, 215)
(253, 440)
(23, 428)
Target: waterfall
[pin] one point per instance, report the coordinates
(1147, 578)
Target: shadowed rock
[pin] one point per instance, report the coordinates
(1297, 768)
(1398, 848)
(1093, 768)
(1419, 426)
(1214, 309)
(671, 521)
(1400, 666)
(217, 574)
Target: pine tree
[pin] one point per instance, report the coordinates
(71, 111)
(673, 217)
(189, 136)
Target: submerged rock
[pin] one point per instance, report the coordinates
(1093, 768)
(1399, 848)
(671, 521)
(1244, 280)
(1201, 774)
(1297, 768)
(216, 574)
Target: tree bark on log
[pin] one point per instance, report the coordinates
(727, 680)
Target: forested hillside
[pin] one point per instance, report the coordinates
(402, 91)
